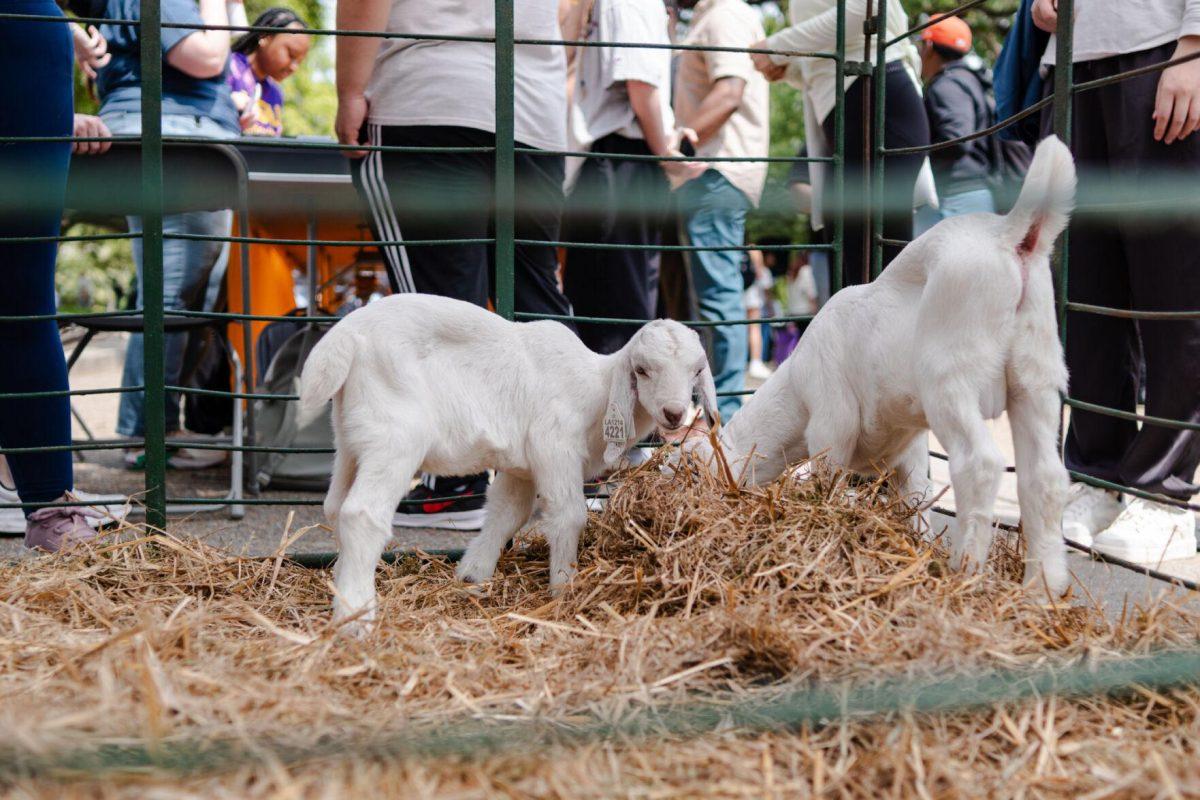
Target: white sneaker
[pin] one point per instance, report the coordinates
(758, 370)
(12, 520)
(1089, 510)
(1148, 533)
(111, 508)
(194, 457)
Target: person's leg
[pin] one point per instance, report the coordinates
(906, 125)
(854, 260)
(415, 196)
(1162, 250)
(538, 218)
(615, 202)
(714, 214)
(1102, 352)
(31, 197)
(421, 196)
(187, 264)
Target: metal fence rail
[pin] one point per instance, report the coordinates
(152, 235)
(1163, 671)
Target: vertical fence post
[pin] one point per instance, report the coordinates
(839, 155)
(152, 263)
(1064, 73)
(505, 191)
(878, 129)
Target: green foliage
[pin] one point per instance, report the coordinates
(93, 276)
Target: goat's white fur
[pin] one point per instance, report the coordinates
(957, 329)
(420, 382)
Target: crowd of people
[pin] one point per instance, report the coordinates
(606, 173)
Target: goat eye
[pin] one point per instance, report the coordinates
(641, 371)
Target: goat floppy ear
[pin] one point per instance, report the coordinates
(708, 396)
(618, 418)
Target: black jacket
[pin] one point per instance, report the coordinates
(957, 104)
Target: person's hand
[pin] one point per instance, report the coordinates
(775, 72)
(680, 135)
(91, 127)
(1177, 102)
(91, 49)
(762, 61)
(680, 172)
(1045, 14)
(351, 116)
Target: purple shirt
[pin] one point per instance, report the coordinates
(267, 119)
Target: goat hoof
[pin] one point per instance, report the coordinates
(1041, 577)
(350, 622)
(469, 571)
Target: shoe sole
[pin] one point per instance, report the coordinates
(1180, 547)
(12, 520)
(443, 520)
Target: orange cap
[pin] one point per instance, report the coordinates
(949, 32)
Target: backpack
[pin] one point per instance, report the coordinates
(283, 347)
(1008, 160)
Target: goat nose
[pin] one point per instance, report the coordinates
(672, 417)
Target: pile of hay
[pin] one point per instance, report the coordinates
(156, 666)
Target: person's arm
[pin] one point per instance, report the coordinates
(647, 107)
(354, 64)
(717, 107)
(203, 54)
(818, 32)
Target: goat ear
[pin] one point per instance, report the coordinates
(618, 418)
(708, 396)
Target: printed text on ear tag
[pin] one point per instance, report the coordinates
(615, 431)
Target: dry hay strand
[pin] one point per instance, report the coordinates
(686, 591)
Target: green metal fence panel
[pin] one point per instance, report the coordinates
(505, 191)
(150, 40)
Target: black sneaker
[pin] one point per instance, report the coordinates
(450, 503)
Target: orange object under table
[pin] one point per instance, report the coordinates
(272, 287)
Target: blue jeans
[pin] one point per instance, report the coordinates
(951, 205)
(36, 101)
(187, 264)
(713, 213)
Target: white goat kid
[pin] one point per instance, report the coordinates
(427, 383)
(959, 328)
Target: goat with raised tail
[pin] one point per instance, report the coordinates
(959, 328)
(427, 383)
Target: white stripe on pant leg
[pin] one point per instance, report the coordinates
(390, 211)
(373, 202)
(385, 217)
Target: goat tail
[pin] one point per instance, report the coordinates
(324, 372)
(1046, 200)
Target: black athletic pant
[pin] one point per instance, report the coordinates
(449, 196)
(1142, 261)
(615, 202)
(905, 125)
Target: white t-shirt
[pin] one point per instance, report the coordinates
(601, 101)
(424, 82)
(1106, 28)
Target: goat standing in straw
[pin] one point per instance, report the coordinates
(427, 383)
(959, 328)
